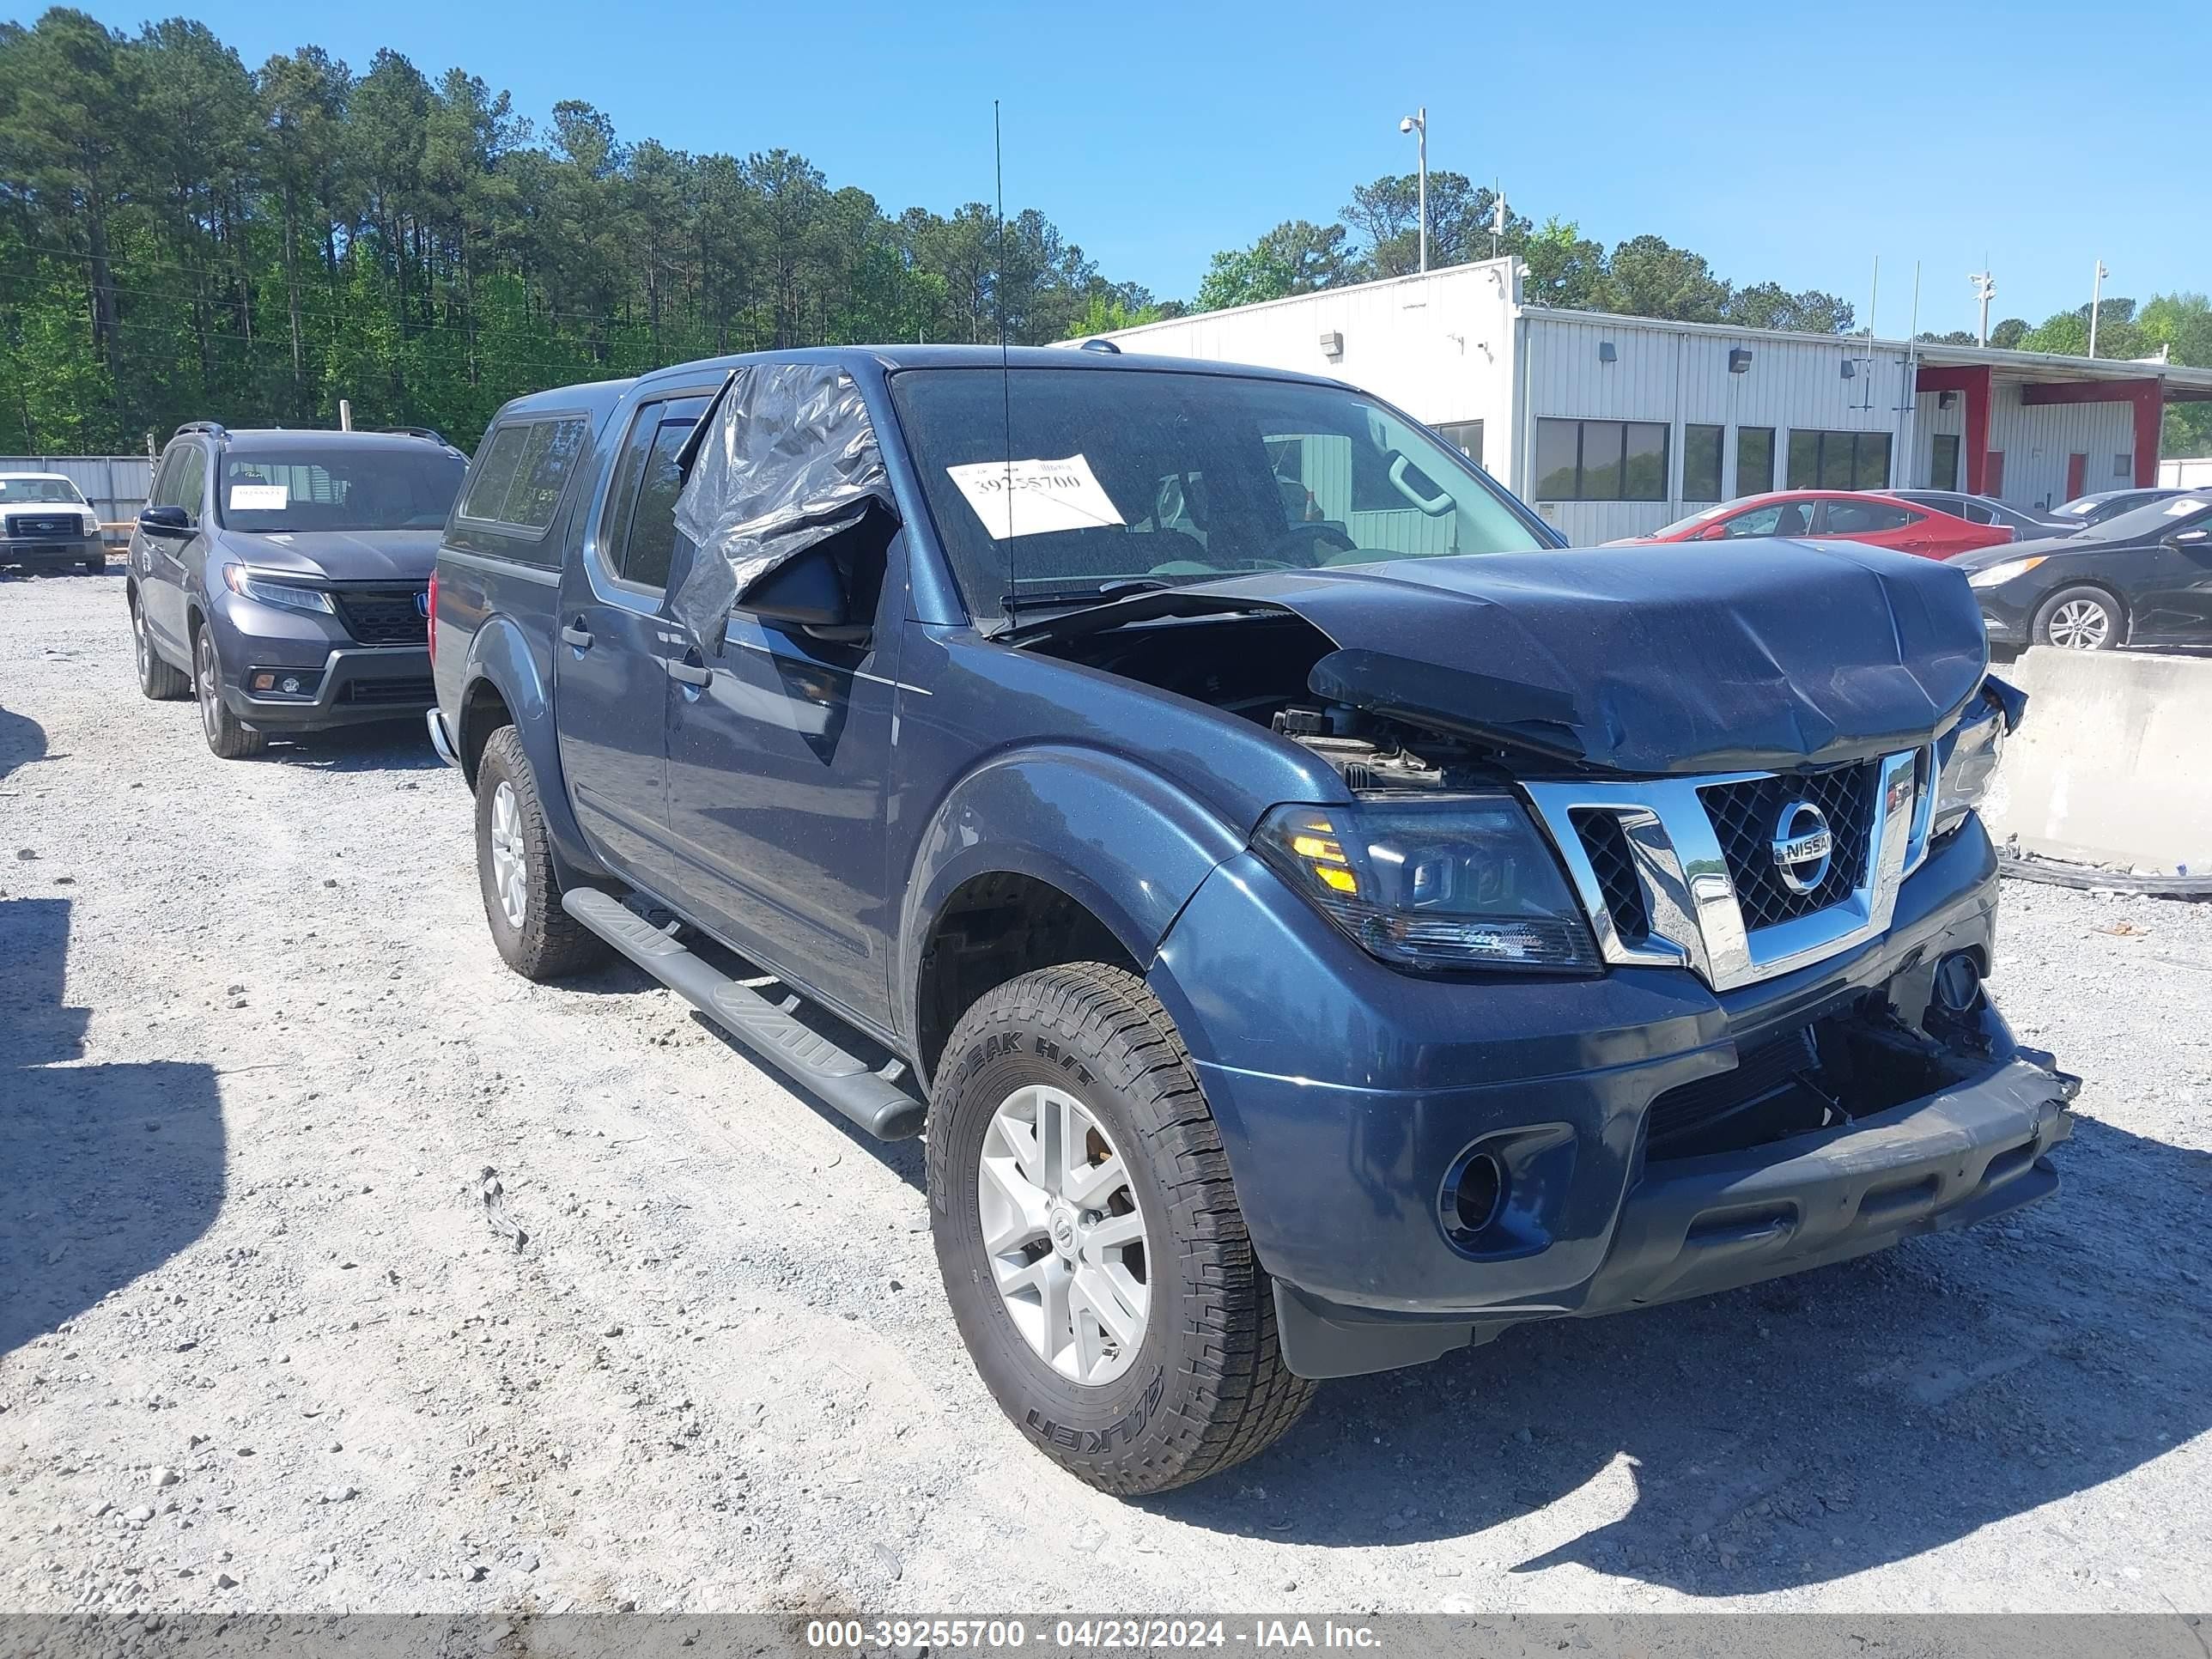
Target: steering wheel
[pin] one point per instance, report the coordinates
(1303, 544)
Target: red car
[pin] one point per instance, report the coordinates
(1842, 514)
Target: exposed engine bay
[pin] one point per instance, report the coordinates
(1257, 667)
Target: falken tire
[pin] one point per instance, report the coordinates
(547, 943)
(1208, 1387)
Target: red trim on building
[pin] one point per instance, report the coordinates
(2148, 396)
(1974, 381)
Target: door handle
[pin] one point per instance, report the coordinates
(690, 673)
(577, 635)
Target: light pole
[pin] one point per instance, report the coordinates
(1985, 290)
(1418, 122)
(2096, 302)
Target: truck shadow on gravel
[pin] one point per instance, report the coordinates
(1789, 1433)
(112, 1169)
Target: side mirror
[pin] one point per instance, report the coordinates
(805, 592)
(165, 521)
(2194, 537)
(1713, 532)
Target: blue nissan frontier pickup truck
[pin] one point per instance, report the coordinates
(1317, 920)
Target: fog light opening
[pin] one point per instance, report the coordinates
(1958, 983)
(1479, 1194)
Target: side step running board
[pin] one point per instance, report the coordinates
(867, 1096)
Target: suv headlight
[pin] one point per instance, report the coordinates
(1444, 882)
(290, 595)
(1965, 760)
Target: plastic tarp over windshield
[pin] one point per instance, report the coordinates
(790, 461)
(1750, 654)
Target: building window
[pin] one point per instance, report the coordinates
(2124, 466)
(1701, 463)
(1600, 461)
(1943, 462)
(1754, 459)
(1839, 460)
(1464, 436)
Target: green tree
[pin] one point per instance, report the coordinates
(1243, 276)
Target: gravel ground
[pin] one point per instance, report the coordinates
(264, 1344)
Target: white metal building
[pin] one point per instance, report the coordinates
(1612, 425)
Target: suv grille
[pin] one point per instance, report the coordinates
(383, 618)
(1746, 814)
(59, 526)
(1606, 843)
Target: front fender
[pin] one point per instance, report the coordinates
(500, 653)
(1119, 838)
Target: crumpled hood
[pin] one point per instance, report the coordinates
(343, 556)
(1686, 658)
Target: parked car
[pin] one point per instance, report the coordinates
(1984, 509)
(2084, 511)
(1881, 520)
(282, 577)
(1312, 951)
(46, 525)
(2144, 578)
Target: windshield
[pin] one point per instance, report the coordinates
(341, 488)
(1156, 478)
(1704, 515)
(2151, 521)
(20, 492)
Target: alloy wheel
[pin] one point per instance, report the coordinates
(2081, 625)
(1064, 1236)
(210, 689)
(510, 875)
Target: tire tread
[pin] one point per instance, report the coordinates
(1239, 1397)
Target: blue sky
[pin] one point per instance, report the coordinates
(1783, 141)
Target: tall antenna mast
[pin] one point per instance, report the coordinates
(1006, 368)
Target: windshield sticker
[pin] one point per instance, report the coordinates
(2186, 504)
(259, 498)
(1043, 495)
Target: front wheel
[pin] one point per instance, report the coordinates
(514, 868)
(226, 735)
(156, 678)
(2079, 619)
(1090, 1239)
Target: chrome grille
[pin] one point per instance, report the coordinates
(1745, 815)
(1681, 873)
(56, 526)
(1614, 865)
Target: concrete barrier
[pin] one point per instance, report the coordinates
(2113, 763)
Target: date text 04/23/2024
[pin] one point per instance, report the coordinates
(1086, 1635)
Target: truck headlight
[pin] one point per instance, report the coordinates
(1996, 575)
(1446, 882)
(1965, 760)
(290, 595)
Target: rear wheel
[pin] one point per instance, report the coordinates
(226, 735)
(1090, 1238)
(2082, 618)
(514, 868)
(156, 678)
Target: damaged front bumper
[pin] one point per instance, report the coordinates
(1351, 1098)
(1702, 1225)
